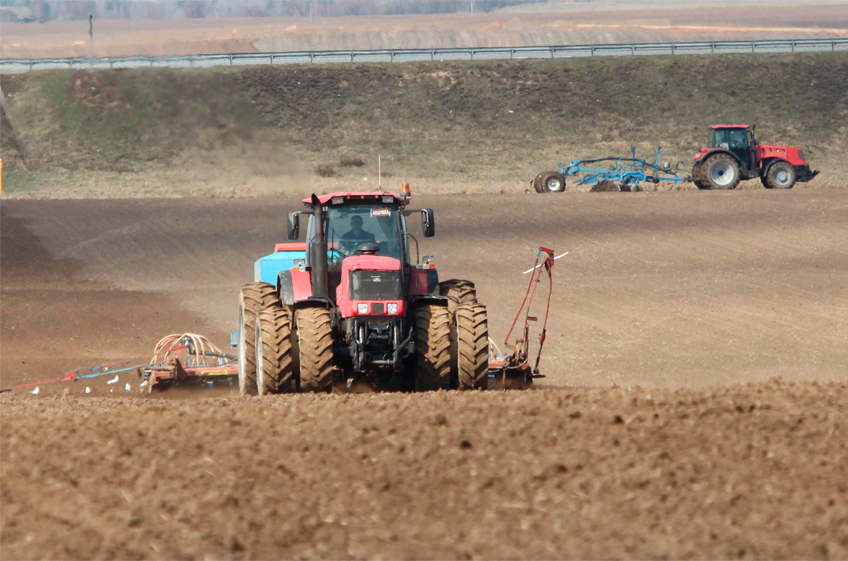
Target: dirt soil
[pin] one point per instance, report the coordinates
(694, 406)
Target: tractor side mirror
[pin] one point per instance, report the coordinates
(428, 223)
(293, 226)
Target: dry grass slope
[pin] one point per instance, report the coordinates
(468, 126)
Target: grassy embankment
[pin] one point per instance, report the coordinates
(445, 127)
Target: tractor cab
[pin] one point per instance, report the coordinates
(737, 139)
(359, 265)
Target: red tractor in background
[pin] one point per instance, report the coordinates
(734, 154)
(356, 304)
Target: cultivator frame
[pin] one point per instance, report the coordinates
(625, 174)
(187, 359)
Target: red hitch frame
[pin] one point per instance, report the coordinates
(514, 370)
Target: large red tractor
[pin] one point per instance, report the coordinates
(734, 154)
(355, 303)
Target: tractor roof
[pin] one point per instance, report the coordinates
(360, 198)
(729, 126)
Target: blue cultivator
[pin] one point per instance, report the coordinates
(625, 174)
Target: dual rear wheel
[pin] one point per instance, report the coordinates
(279, 353)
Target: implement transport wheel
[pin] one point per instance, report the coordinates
(722, 172)
(253, 298)
(472, 357)
(432, 323)
(274, 364)
(553, 181)
(537, 184)
(315, 349)
(781, 175)
(458, 292)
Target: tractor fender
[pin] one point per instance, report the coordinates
(428, 299)
(423, 282)
(704, 156)
(767, 163)
(294, 286)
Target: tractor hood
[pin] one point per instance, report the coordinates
(369, 263)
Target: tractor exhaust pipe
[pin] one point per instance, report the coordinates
(318, 252)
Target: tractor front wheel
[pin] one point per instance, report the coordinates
(472, 357)
(274, 365)
(433, 364)
(781, 175)
(722, 172)
(253, 298)
(315, 349)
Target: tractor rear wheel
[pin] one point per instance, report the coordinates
(315, 349)
(458, 292)
(253, 298)
(472, 357)
(432, 325)
(781, 175)
(274, 365)
(721, 172)
(553, 181)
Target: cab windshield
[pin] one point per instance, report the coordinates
(728, 139)
(351, 226)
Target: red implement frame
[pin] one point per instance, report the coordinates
(187, 358)
(516, 367)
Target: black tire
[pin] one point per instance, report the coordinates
(721, 171)
(537, 184)
(253, 298)
(274, 364)
(315, 349)
(781, 175)
(433, 364)
(458, 292)
(472, 356)
(604, 186)
(696, 177)
(553, 182)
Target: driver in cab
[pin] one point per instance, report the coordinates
(356, 236)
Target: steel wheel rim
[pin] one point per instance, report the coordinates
(554, 184)
(781, 177)
(722, 173)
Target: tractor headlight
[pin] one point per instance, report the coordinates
(362, 308)
(392, 309)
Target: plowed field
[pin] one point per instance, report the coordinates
(694, 406)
